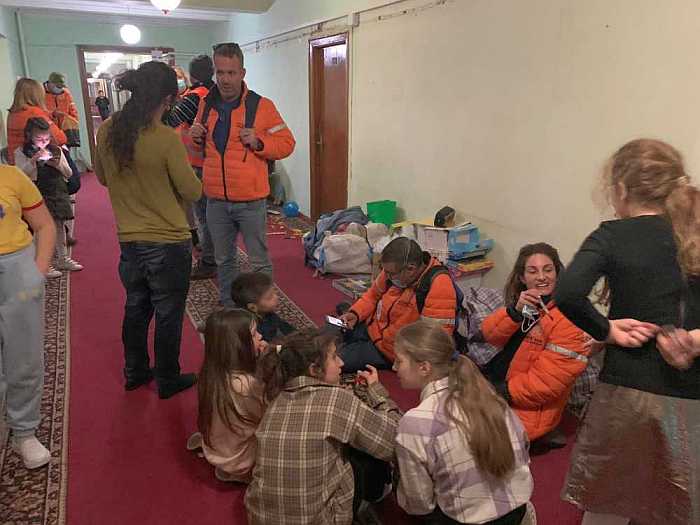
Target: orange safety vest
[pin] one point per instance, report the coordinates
(194, 153)
(63, 103)
(544, 369)
(241, 175)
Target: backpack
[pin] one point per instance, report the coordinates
(422, 290)
(252, 101)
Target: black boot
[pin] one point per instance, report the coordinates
(168, 388)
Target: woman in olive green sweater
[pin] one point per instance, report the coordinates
(145, 168)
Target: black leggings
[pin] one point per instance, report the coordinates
(514, 517)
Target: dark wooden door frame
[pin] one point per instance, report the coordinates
(314, 113)
(81, 50)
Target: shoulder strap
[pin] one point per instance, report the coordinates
(252, 101)
(423, 287)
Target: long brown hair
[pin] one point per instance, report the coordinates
(151, 85)
(514, 285)
(298, 352)
(28, 92)
(483, 412)
(654, 176)
(228, 348)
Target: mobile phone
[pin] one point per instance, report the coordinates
(336, 321)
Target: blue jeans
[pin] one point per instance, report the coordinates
(225, 220)
(358, 351)
(200, 211)
(156, 277)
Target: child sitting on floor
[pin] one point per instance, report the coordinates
(462, 452)
(255, 292)
(302, 472)
(230, 397)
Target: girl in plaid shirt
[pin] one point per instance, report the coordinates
(462, 453)
(302, 472)
(230, 397)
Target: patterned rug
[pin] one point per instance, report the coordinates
(204, 296)
(38, 497)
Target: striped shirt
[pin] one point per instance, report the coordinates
(438, 469)
(302, 475)
(184, 111)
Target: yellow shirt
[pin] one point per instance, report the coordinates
(17, 195)
(150, 196)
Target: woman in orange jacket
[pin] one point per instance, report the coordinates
(29, 102)
(542, 351)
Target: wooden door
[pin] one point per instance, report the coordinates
(329, 124)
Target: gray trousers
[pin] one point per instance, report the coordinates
(21, 339)
(225, 219)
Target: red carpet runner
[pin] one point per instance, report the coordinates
(127, 461)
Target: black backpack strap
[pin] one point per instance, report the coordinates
(423, 287)
(252, 101)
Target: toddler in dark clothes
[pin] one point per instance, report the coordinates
(256, 293)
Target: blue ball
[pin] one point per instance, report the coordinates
(290, 209)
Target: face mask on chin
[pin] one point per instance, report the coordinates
(56, 90)
(399, 284)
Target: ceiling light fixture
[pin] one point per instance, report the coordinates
(166, 5)
(130, 34)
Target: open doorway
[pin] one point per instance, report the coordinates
(99, 65)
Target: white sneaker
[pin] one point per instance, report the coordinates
(70, 265)
(53, 273)
(33, 453)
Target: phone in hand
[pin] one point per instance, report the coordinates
(335, 321)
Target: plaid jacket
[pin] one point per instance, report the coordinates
(437, 467)
(301, 475)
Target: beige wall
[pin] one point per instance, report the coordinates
(503, 109)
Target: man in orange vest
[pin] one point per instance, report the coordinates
(240, 132)
(59, 100)
(181, 117)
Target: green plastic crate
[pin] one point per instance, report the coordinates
(382, 211)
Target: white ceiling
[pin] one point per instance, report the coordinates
(189, 9)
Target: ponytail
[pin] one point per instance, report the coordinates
(485, 412)
(472, 403)
(150, 86)
(293, 358)
(683, 211)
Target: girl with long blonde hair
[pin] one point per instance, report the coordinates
(462, 453)
(641, 434)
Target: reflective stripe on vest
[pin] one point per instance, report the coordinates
(566, 352)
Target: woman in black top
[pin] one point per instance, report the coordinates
(637, 457)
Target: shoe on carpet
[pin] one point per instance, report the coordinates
(168, 388)
(53, 273)
(132, 383)
(202, 271)
(551, 440)
(194, 442)
(224, 476)
(70, 265)
(33, 453)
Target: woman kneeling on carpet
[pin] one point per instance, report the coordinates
(230, 397)
(23, 268)
(462, 452)
(304, 471)
(543, 352)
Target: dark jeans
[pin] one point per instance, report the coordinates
(358, 351)
(156, 277)
(371, 475)
(437, 517)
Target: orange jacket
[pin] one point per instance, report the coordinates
(241, 174)
(63, 103)
(194, 153)
(387, 311)
(544, 368)
(17, 120)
